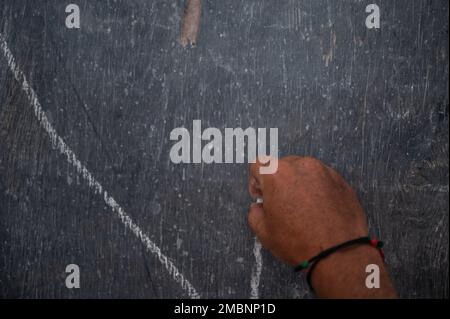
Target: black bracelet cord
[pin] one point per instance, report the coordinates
(316, 259)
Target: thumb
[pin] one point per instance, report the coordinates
(256, 220)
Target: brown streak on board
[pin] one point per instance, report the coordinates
(191, 23)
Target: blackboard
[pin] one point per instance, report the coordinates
(85, 118)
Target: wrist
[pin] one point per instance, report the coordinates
(343, 274)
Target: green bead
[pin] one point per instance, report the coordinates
(305, 264)
(380, 244)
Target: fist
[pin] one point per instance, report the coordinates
(307, 208)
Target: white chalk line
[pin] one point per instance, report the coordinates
(58, 144)
(257, 269)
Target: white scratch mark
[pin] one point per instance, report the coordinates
(58, 144)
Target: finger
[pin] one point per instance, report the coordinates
(256, 169)
(256, 221)
(254, 188)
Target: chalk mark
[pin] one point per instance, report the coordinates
(257, 269)
(58, 144)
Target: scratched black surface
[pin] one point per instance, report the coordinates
(371, 103)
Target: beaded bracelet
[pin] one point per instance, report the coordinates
(312, 263)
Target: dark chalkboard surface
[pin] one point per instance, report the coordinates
(85, 118)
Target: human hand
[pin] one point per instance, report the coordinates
(308, 207)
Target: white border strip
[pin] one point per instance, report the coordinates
(58, 144)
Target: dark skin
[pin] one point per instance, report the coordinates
(308, 207)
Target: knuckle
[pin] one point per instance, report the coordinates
(255, 225)
(252, 220)
(311, 164)
(290, 159)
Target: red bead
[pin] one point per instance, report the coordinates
(374, 242)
